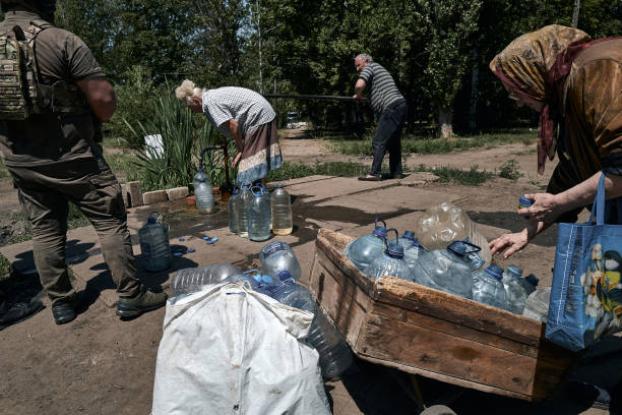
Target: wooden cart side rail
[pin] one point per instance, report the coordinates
(459, 310)
(342, 300)
(416, 297)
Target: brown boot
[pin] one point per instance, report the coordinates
(146, 300)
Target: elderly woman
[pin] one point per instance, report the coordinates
(576, 85)
(246, 117)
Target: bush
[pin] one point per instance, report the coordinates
(509, 170)
(136, 98)
(184, 135)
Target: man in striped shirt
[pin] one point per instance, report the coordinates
(391, 110)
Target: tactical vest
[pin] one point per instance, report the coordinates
(23, 94)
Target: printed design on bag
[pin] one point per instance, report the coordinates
(590, 279)
(602, 289)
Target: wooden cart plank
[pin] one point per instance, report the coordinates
(424, 347)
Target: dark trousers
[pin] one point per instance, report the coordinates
(44, 193)
(388, 138)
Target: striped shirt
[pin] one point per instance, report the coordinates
(247, 107)
(381, 86)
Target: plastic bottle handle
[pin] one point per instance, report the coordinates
(386, 240)
(376, 220)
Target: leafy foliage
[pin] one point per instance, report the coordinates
(183, 137)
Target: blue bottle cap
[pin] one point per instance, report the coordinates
(524, 202)
(152, 219)
(394, 250)
(532, 279)
(273, 247)
(494, 271)
(515, 270)
(380, 232)
(410, 235)
(236, 190)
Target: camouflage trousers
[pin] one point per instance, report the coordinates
(45, 192)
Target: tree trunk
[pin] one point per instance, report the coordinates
(474, 90)
(575, 13)
(445, 118)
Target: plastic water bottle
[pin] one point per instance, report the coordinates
(363, 250)
(203, 192)
(335, 355)
(281, 204)
(277, 257)
(190, 280)
(412, 248)
(259, 215)
(390, 262)
(246, 197)
(449, 270)
(514, 289)
(537, 304)
(488, 288)
(234, 210)
(154, 245)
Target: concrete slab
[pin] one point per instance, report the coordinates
(334, 187)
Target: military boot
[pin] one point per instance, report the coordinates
(146, 300)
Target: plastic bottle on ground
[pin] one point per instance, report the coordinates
(449, 270)
(282, 218)
(259, 215)
(189, 280)
(514, 289)
(203, 192)
(363, 250)
(537, 304)
(390, 263)
(278, 256)
(154, 244)
(488, 288)
(234, 210)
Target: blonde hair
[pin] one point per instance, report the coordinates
(187, 90)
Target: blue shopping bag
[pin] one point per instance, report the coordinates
(586, 295)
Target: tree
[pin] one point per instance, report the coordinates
(451, 26)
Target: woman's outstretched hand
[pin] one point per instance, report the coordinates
(509, 243)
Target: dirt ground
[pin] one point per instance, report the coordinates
(98, 364)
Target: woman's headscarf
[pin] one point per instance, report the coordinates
(529, 68)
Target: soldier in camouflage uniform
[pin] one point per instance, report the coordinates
(48, 142)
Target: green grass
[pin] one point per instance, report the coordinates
(471, 177)
(510, 170)
(124, 165)
(419, 145)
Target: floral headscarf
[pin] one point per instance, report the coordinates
(529, 68)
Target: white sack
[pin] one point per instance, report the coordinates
(230, 350)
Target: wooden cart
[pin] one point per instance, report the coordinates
(422, 331)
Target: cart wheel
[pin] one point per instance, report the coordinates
(438, 410)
